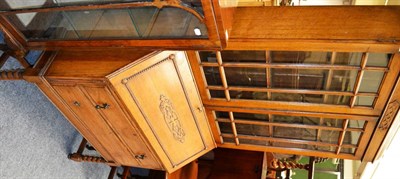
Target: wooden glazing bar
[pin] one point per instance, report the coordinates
(359, 79)
(296, 151)
(224, 83)
(329, 78)
(270, 127)
(349, 146)
(268, 80)
(321, 120)
(268, 72)
(209, 64)
(281, 140)
(341, 136)
(266, 123)
(232, 121)
(293, 113)
(223, 76)
(289, 141)
(376, 69)
(292, 66)
(295, 91)
(293, 106)
(355, 129)
(219, 58)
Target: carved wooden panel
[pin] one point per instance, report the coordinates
(161, 81)
(161, 95)
(390, 113)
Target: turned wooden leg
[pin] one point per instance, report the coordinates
(86, 158)
(112, 172)
(126, 173)
(11, 75)
(82, 146)
(78, 157)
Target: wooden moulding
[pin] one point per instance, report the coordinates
(224, 18)
(340, 28)
(386, 122)
(312, 45)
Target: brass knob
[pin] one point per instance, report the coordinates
(141, 156)
(103, 106)
(76, 103)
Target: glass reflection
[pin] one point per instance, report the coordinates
(132, 23)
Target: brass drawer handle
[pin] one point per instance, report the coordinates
(141, 156)
(103, 106)
(76, 103)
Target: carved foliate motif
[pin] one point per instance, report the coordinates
(389, 115)
(171, 119)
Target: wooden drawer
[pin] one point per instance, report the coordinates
(124, 128)
(85, 111)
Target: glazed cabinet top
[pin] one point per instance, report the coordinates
(151, 23)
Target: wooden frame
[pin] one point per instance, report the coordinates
(366, 131)
(269, 108)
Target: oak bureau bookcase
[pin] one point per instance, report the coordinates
(312, 81)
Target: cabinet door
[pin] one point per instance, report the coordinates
(86, 112)
(160, 93)
(125, 128)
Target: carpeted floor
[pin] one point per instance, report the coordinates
(35, 138)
